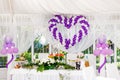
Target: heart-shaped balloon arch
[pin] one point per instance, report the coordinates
(9, 48)
(68, 23)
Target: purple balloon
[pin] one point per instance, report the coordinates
(107, 51)
(104, 51)
(13, 44)
(98, 45)
(102, 39)
(9, 45)
(8, 39)
(10, 51)
(104, 46)
(15, 50)
(97, 52)
(5, 45)
(3, 51)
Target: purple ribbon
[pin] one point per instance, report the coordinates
(102, 65)
(10, 61)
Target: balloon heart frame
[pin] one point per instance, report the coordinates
(9, 48)
(102, 48)
(68, 23)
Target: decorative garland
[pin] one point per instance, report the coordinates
(68, 23)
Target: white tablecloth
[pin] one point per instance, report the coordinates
(24, 74)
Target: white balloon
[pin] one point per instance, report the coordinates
(43, 40)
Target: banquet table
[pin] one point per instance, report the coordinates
(26, 74)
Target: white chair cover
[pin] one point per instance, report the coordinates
(112, 71)
(88, 73)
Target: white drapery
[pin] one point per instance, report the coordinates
(25, 30)
(19, 28)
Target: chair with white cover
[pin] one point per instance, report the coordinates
(89, 74)
(112, 71)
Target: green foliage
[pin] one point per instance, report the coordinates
(40, 68)
(28, 66)
(118, 64)
(27, 56)
(97, 59)
(48, 66)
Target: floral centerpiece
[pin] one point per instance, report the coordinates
(55, 61)
(57, 57)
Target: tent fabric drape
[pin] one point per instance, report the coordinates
(62, 6)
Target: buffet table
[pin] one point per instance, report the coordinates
(26, 74)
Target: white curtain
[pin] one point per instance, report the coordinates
(24, 38)
(5, 27)
(20, 28)
(25, 32)
(60, 6)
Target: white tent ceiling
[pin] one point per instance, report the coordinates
(59, 6)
